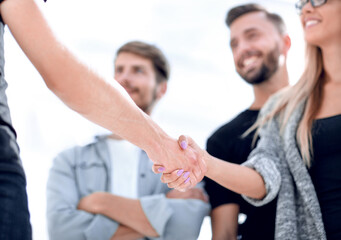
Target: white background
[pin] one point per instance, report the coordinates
(204, 90)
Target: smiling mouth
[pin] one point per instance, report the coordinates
(249, 61)
(311, 23)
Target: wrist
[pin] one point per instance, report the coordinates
(209, 161)
(157, 147)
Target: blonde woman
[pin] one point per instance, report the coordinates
(298, 157)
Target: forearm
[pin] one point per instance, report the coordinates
(224, 221)
(81, 89)
(126, 233)
(240, 179)
(125, 211)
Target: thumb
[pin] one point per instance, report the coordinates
(157, 168)
(183, 142)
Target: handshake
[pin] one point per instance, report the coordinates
(182, 163)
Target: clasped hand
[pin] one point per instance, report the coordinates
(191, 168)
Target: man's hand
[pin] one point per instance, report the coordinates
(92, 203)
(194, 193)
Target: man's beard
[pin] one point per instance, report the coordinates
(147, 106)
(266, 70)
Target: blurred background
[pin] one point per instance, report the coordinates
(204, 90)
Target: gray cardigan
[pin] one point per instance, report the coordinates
(80, 171)
(278, 160)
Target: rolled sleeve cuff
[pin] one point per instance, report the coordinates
(271, 176)
(101, 228)
(157, 210)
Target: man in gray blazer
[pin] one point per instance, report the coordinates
(106, 189)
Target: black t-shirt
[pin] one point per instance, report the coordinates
(227, 144)
(325, 172)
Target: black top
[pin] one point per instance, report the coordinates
(326, 172)
(227, 144)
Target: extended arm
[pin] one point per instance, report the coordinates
(258, 179)
(87, 93)
(240, 179)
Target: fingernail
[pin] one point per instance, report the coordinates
(187, 180)
(161, 169)
(185, 176)
(180, 172)
(183, 144)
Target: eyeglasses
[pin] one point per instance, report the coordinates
(315, 3)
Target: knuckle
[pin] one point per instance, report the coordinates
(163, 179)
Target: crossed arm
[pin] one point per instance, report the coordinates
(106, 216)
(128, 212)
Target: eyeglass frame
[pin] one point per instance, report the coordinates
(299, 8)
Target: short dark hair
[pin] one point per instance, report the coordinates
(241, 10)
(151, 52)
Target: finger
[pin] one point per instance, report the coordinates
(185, 185)
(188, 140)
(171, 177)
(181, 180)
(183, 143)
(156, 168)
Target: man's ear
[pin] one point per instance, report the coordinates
(161, 89)
(286, 44)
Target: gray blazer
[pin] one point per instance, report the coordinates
(80, 171)
(278, 160)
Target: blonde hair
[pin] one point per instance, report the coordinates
(309, 88)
